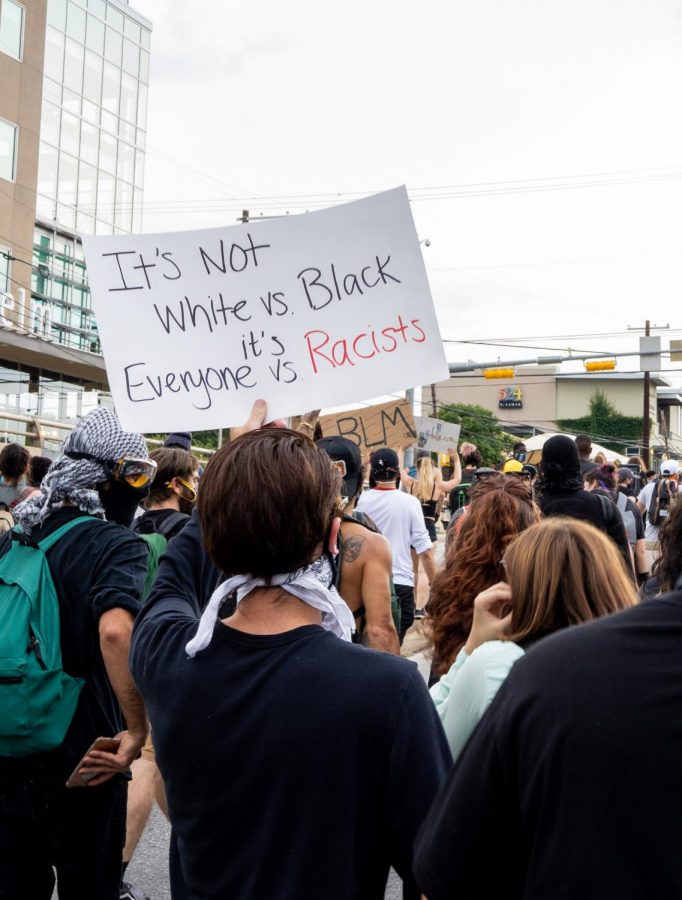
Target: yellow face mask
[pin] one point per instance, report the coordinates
(190, 492)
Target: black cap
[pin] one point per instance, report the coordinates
(182, 439)
(484, 472)
(342, 449)
(384, 459)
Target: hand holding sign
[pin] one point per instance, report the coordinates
(302, 311)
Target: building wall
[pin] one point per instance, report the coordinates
(573, 397)
(20, 95)
(538, 396)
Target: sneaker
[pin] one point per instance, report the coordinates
(420, 613)
(129, 891)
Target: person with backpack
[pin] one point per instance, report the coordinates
(654, 500)
(633, 521)
(71, 581)
(603, 480)
(170, 503)
(364, 563)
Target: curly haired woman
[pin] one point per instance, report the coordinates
(501, 507)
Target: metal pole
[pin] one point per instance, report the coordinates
(646, 428)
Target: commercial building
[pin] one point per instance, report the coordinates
(535, 398)
(73, 110)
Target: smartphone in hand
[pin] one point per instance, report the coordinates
(81, 779)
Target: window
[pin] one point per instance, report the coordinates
(11, 28)
(8, 150)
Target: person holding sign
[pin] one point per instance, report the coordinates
(278, 699)
(428, 486)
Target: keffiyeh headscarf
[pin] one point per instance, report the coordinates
(312, 584)
(73, 480)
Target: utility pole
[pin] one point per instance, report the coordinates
(650, 358)
(434, 405)
(646, 425)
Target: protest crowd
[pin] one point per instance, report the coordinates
(226, 642)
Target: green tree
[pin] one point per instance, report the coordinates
(479, 426)
(606, 425)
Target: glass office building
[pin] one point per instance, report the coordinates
(92, 152)
(73, 107)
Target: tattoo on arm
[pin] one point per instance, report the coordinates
(351, 549)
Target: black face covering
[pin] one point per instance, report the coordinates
(120, 501)
(186, 506)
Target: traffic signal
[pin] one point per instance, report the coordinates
(498, 373)
(599, 365)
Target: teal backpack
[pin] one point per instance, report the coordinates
(157, 542)
(37, 698)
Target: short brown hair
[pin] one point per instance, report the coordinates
(171, 462)
(266, 502)
(14, 461)
(563, 572)
(584, 445)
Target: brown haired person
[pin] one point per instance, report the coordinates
(667, 569)
(14, 487)
(500, 508)
(305, 783)
(559, 572)
(173, 494)
(364, 563)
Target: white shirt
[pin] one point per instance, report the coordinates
(644, 497)
(399, 517)
(467, 690)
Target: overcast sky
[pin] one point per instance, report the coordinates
(490, 108)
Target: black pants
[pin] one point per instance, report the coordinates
(405, 594)
(78, 831)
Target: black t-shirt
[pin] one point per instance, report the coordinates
(296, 765)
(570, 787)
(589, 506)
(152, 520)
(96, 567)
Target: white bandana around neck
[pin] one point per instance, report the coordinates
(311, 584)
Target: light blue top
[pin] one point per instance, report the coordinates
(465, 692)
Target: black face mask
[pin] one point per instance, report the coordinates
(186, 506)
(120, 502)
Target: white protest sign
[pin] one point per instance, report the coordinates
(302, 311)
(436, 435)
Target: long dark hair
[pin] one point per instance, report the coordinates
(668, 567)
